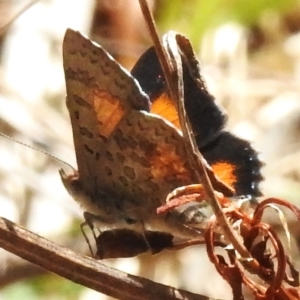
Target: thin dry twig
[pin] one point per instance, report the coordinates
(84, 270)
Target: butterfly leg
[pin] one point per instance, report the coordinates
(144, 234)
(90, 220)
(82, 225)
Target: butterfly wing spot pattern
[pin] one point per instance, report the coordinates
(128, 159)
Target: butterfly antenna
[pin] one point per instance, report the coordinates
(36, 149)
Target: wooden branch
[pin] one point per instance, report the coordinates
(83, 270)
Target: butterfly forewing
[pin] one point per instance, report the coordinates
(95, 86)
(128, 159)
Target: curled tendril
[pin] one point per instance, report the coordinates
(251, 229)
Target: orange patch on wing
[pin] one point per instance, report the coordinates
(168, 166)
(225, 172)
(164, 107)
(109, 111)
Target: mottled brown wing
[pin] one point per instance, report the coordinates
(97, 98)
(132, 157)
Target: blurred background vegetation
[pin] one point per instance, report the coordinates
(250, 54)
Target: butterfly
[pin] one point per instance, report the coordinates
(129, 148)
